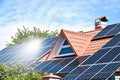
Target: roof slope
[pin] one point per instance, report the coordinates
(79, 41)
(96, 45)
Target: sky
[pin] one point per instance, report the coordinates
(76, 15)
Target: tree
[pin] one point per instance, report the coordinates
(25, 35)
(17, 72)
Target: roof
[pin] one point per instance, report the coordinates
(95, 45)
(97, 54)
(80, 42)
(52, 76)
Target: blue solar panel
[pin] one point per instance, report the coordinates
(106, 30)
(29, 51)
(33, 64)
(97, 62)
(49, 66)
(105, 76)
(109, 56)
(96, 56)
(73, 64)
(109, 69)
(114, 41)
(60, 65)
(117, 58)
(94, 68)
(115, 30)
(118, 44)
(42, 65)
(76, 72)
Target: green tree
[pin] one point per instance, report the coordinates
(17, 72)
(24, 35)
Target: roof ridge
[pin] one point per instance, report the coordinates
(74, 32)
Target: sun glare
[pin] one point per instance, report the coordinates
(31, 48)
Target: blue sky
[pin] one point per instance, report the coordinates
(75, 15)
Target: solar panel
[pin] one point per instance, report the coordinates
(29, 51)
(116, 30)
(110, 68)
(94, 68)
(57, 66)
(77, 71)
(49, 66)
(117, 58)
(95, 71)
(73, 64)
(42, 65)
(113, 42)
(97, 62)
(33, 64)
(104, 76)
(118, 44)
(60, 65)
(110, 56)
(96, 56)
(106, 30)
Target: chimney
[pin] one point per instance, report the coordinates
(101, 22)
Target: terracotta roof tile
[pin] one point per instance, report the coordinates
(82, 43)
(96, 45)
(79, 41)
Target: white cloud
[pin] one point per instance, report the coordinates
(52, 14)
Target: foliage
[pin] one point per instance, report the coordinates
(17, 72)
(25, 35)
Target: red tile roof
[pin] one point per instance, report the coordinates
(79, 41)
(96, 45)
(82, 43)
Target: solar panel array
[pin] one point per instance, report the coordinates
(26, 52)
(109, 30)
(64, 65)
(99, 66)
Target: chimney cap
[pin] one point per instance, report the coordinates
(103, 18)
